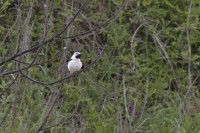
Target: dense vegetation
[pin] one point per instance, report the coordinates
(142, 66)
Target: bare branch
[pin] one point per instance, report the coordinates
(39, 46)
(68, 77)
(8, 88)
(101, 25)
(46, 41)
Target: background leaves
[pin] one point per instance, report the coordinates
(147, 79)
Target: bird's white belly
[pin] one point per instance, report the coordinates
(74, 65)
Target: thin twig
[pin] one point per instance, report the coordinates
(68, 77)
(64, 120)
(189, 51)
(6, 114)
(101, 25)
(183, 103)
(163, 50)
(46, 41)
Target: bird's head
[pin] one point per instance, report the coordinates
(76, 55)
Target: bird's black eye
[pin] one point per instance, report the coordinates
(78, 56)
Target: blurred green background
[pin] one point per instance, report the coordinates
(147, 80)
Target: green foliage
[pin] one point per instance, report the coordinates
(146, 81)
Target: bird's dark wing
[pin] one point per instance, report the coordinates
(83, 66)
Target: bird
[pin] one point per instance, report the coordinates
(75, 63)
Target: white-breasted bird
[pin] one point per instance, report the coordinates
(75, 63)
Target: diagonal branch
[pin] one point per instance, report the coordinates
(46, 41)
(68, 77)
(101, 25)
